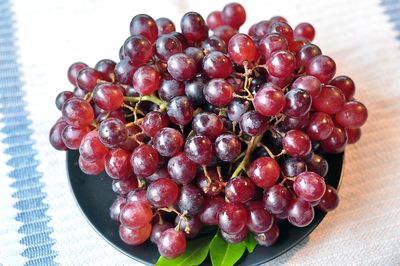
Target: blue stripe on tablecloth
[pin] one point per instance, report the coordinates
(392, 9)
(35, 231)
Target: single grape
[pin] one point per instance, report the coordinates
(134, 237)
(91, 148)
(280, 82)
(190, 200)
(309, 186)
(199, 149)
(253, 124)
(108, 96)
(209, 213)
(232, 217)
(218, 92)
(264, 172)
(146, 80)
(258, 220)
(269, 237)
(214, 43)
(300, 122)
(138, 48)
(320, 126)
(194, 27)
(88, 78)
(242, 48)
(336, 142)
(172, 243)
(352, 115)
(62, 97)
(55, 135)
(235, 238)
(153, 122)
(135, 215)
(117, 164)
(73, 71)
(295, 47)
(305, 30)
(197, 55)
(318, 164)
(298, 103)
(234, 15)
(77, 112)
(144, 160)
(293, 166)
(115, 208)
(162, 193)
(240, 189)
(330, 100)
(306, 53)
(194, 91)
(124, 186)
(276, 199)
(353, 134)
(72, 136)
(300, 213)
(236, 108)
(79, 93)
(137, 195)
(124, 71)
(261, 29)
(180, 110)
(330, 200)
(182, 169)
(144, 25)
(283, 29)
(217, 65)
(225, 33)
(322, 67)
(106, 68)
(227, 147)
(170, 88)
(164, 26)
(91, 167)
(181, 67)
(269, 100)
(271, 43)
(296, 143)
(157, 230)
(158, 174)
(214, 20)
(281, 64)
(208, 124)
(346, 85)
(112, 132)
(168, 141)
(166, 46)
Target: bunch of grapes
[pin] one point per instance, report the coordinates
(216, 127)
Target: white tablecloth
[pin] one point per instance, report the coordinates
(40, 223)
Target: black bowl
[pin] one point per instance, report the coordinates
(94, 197)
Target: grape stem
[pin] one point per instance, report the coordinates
(250, 148)
(150, 98)
(273, 156)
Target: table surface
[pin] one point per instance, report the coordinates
(40, 223)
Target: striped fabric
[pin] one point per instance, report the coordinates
(27, 185)
(40, 223)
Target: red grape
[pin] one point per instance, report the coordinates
(264, 172)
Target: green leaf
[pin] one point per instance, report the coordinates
(196, 252)
(251, 243)
(223, 253)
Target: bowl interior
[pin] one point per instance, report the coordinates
(94, 197)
